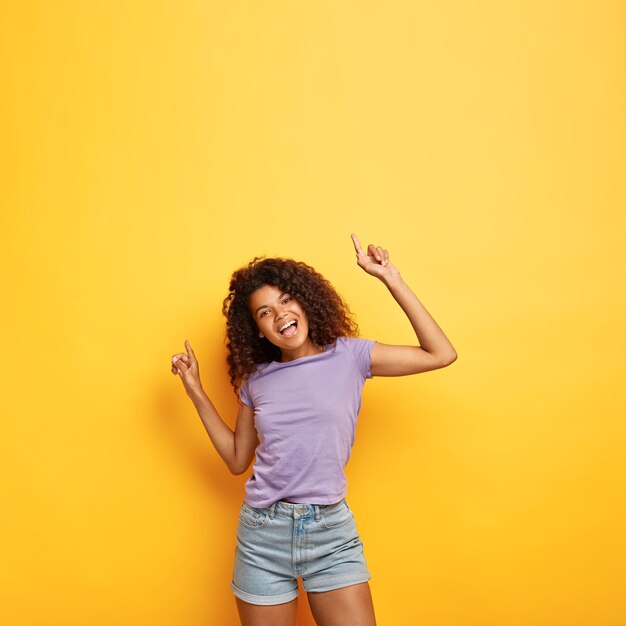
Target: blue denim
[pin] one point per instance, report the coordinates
(278, 544)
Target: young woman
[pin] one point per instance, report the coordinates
(298, 368)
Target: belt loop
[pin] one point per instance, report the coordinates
(272, 510)
(317, 512)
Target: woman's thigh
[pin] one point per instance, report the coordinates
(268, 615)
(347, 606)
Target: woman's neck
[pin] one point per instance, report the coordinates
(306, 349)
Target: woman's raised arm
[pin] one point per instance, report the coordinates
(434, 350)
(222, 437)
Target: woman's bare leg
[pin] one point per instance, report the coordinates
(348, 606)
(267, 615)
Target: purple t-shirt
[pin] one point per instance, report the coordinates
(305, 413)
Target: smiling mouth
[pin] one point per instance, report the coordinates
(291, 330)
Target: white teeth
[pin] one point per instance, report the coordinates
(280, 330)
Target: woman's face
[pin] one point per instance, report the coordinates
(271, 309)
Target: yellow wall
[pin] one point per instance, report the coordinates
(149, 149)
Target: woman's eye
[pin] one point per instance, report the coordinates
(285, 300)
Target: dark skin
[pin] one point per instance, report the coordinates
(351, 605)
(271, 309)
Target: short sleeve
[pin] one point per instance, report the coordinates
(361, 350)
(244, 394)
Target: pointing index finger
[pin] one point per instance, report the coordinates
(357, 245)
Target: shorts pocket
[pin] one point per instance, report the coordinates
(336, 515)
(251, 517)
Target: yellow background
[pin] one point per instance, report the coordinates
(151, 148)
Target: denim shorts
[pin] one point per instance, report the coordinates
(278, 544)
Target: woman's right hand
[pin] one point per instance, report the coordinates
(186, 366)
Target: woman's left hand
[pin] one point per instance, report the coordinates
(376, 262)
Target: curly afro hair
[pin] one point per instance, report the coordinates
(328, 315)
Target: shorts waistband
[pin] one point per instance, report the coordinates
(297, 510)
